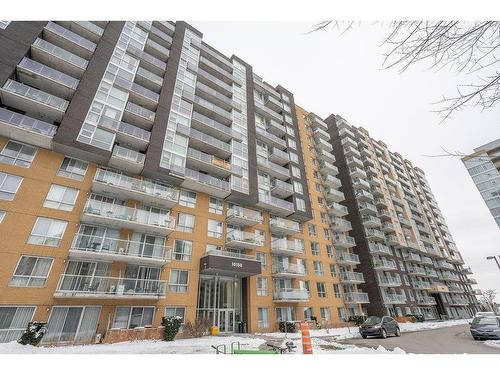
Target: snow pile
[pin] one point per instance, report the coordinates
(493, 343)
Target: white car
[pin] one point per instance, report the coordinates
(484, 313)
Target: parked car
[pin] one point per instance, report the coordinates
(379, 326)
(485, 328)
(484, 313)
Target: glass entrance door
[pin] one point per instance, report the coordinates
(226, 320)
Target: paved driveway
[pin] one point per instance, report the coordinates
(449, 340)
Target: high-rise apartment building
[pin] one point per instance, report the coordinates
(144, 174)
(408, 257)
(484, 167)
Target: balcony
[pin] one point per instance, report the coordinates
(326, 156)
(321, 134)
(355, 298)
(326, 167)
(205, 183)
(150, 220)
(323, 145)
(272, 103)
(143, 97)
(346, 132)
(291, 295)
(351, 151)
(243, 216)
(216, 70)
(124, 187)
(239, 239)
(228, 263)
(394, 299)
(272, 169)
(456, 301)
(281, 189)
(421, 285)
(332, 181)
(426, 260)
(157, 50)
(374, 234)
(347, 259)
(371, 221)
(344, 241)
(46, 79)
(379, 249)
(148, 79)
(431, 272)
(214, 82)
(388, 227)
(448, 276)
(127, 160)
(92, 248)
(139, 116)
(354, 162)
(208, 163)
(442, 264)
(366, 208)
(416, 271)
(288, 270)
(98, 287)
(336, 209)
(340, 225)
(382, 264)
(389, 281)
(394, 240)
(58, 58)
(349, 142)
(363, 196)
(471, 281)
(282, 246)
(275, 205)
(212, 110)
(269, 138)
(68, 40)
(425, 300)
(86, 29)
(282, 226)
(333, 195)
(412, 245)
(265, 111)
(456, 259)
(126, 134)
(414, 258)
(359, 183)
(316, 123)
(26, 129)
(385, 214)
(211, 127)
(467, 271)
(351, 278)
(34, 102)
(381, 202)
(377, 192)
(209, 144)
(279, 157)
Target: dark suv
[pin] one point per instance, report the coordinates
(379, 326)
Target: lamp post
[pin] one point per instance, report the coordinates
(495, 259)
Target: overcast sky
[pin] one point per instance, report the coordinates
(341, 74)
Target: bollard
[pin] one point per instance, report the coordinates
(306, 339)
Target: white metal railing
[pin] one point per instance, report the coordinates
(291, 294)
(230, 254)
(242, 236)
(290, 268)
(353, 297)
(286, 245)
(244, 213)
(285, 224)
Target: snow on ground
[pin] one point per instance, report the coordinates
(493, 343)
(323, 341)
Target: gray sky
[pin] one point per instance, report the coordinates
(341, 74)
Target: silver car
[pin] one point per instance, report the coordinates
(485, 328)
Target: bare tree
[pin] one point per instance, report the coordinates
(470, 48)
(488, 299)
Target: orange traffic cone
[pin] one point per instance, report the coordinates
(306, 339)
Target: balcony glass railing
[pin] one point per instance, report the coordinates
(230, 254)
(43, 70)
(218, 82)
(384, 263)
(287, 245)
(110, 286)
(209, 140)
(153, 217)
(281, 203)
(390, 281)
(27, 123)
(352, 277)
(140, 111)
(272, 166)
(212, 124)
(379, 248)
(144, 92)
(242, 236)
(60, 53)
(356, 297)
(394, 298)
(291, 294)
(71, 36)
(146, 57)
(156, 79)
(214, 108)
(337, 207)
(28, 92)
(270, 136)
(209, 159)
(117, 246)
(244, 213)
(343, 257)
(206, 179)
(290, 268)
(285, 224)
(134, 184)
(128, 155)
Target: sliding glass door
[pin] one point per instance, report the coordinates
(72, 324)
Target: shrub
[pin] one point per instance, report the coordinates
(290, 327)
(416, 318)
(171, 326)
(33, 334)
(357, 319)
(198, 328)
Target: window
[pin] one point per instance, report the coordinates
(185, 222)
(187, 198)
(321, 290)
(132, 317)
(316, 174)
(61, 198)
(301, 204)
(263, 317)
(308, 313)
(324, 312)
(336, 290)
(47, 232)
(215, 228)
(294, 157)
(312, 230)
(314, 248)
(284, 314)
(31, 272)
(73, 168)
(261, 257)
(326, 234)
(180, 312)
(318, 187)
(183, 250)
(13, 321)
(260, 236)
(292, 144)
(178, 281)
(261, 286)
(304, 285)
(215, 206)
(318, 268)
(298, 188)
(341, 313)
(329, 251)
(333, 270)
(2, 216)
(302, 265)
(295, 171)
(9, 184)
(324, 217)
(15, 153)
(290, 131)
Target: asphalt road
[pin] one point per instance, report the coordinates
(449, 340)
